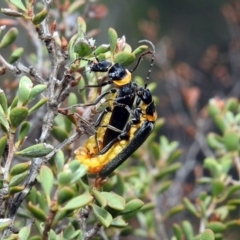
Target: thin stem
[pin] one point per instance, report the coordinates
(11, 152)
(51, 215)
(9, 66)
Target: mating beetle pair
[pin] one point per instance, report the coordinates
(124, 124)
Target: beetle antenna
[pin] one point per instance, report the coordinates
(152, 60)
(139, 60)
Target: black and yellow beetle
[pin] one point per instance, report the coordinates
(124, 94)
(118, 135)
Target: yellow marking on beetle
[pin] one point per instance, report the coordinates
(127, 79)
(95, 164)
(151, 118)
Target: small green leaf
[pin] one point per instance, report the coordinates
(174, 156)
(148, 207)
(52, 235)
(175, 210)
(178, 232)
(118, 223)
(231, 104)
(37, 150)
(37, 212)
(14, 103)
(217, 187)
(226, 163)
(81, 171)
(102, 49)
(9, 37)
(25, 87)
(20, 168)
(234, 202)
(73, 7)
(39, 17)
(24, 233)
(213, 141)
(18, 4)
(102, 215)
(24, 131)
(207, 235)
(64, 178)
(203, 196)
(220, 122)
(207, 201)
(63, 214)
(38, 105)
(59, 160)
(32, 196)
(16, 180)
(74, 165)
(112, 35)
(216, 227)
(16, 54)
(233, 223)
(11, 13)
(3, 101)
(212, 165)
(36, 237)
(140, 50)
(230, 191)
(99, 198)
(190, 207)
(127, 47)
(164, 186)
(168, 170)
(82, 26)
(76, 234)
(102, 56)
(5, 222)
(79, 202)
(204, 180)
(16, 189)
(124, 58)
(65, 194)
(72, 54)
(213, 108)
(46, 179)
(59, 133)
(231, 140)
(3, 143)
(223, 211)
(133, 206)
(43, 202)
(188, 230)
(36, 91)
(18, 115)
(3, 120)
(68, 231)
(114, 201)
(82, 48)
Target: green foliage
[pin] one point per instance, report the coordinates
(9, 38)
(215, 208)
